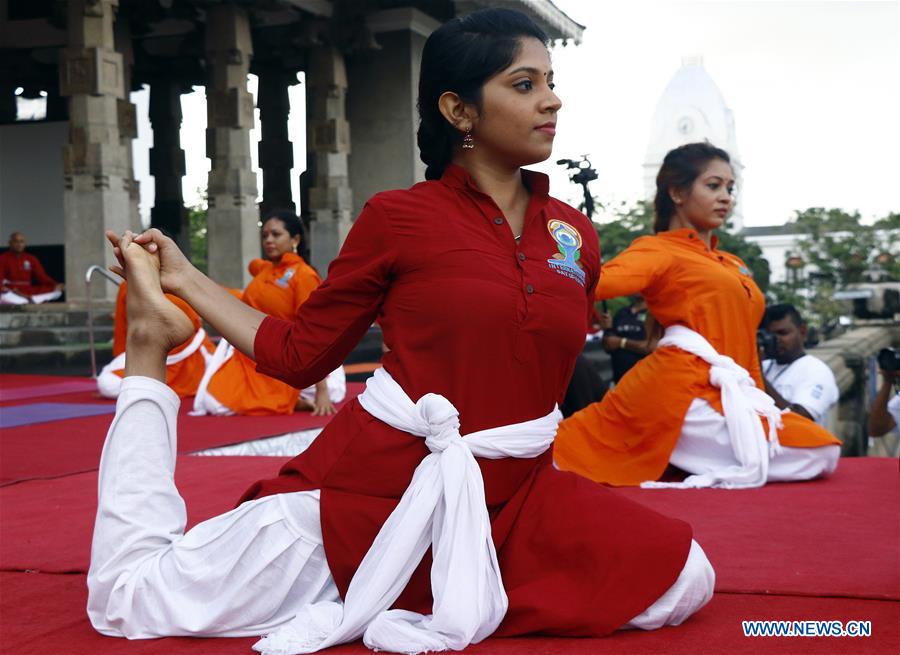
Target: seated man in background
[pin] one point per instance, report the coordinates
(23, 278)
(793, 378)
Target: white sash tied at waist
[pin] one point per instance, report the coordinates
(443, 507)
(742, 404)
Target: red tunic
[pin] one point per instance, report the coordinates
(23, 272)
(494, 326)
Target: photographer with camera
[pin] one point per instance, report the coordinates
(885, 413)
(795, 380)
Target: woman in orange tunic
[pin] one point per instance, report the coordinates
(666, 410)
(185, 365)
(281, 284)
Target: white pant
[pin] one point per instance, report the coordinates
(704, 446)
(11, 298)
(108, 383)
(242, 573)
(337, 387)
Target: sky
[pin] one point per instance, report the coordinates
(814, 86)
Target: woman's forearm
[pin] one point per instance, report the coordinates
(234, 320)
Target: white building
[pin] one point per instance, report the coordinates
(692, 109)
(778, 243)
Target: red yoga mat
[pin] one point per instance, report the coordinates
(836, 538)
(43, 613)
(47, 450)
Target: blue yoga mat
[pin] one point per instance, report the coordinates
(17, 415)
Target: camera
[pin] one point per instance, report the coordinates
(766, 344)
(889, 360)
(583, 171)
(583, 174)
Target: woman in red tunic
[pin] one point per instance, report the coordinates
(668, 409)
(482, 284)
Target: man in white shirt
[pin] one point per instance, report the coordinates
(798, 381)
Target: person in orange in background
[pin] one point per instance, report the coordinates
(185, 365)
(696, 402)
(281, 284)
(22, 278)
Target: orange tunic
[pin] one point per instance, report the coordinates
(183, 377)
(627, 437)
(277, 291)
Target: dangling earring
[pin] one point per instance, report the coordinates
(468, 141)
(295, 248)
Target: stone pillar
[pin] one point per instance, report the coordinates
(57, 108)
(233, 234)
(95, 164)
(8, 105)
(128, 116)
(385, 154)
(167, 162)
(276, 155)
(328, 146)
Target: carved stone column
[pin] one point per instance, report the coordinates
(128, 115)
(276, 155)
(96, 166)
(385, 131)
(233, 235)
(167, 162)
(8, 104)
(328, 147)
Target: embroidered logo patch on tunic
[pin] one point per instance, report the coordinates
(568, 241)
(284, 279)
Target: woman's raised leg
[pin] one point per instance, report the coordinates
(242, 573)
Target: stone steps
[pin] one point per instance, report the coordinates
(53, 338)
(69, 359)
(53, 315)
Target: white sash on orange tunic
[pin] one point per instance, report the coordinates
(743, 404)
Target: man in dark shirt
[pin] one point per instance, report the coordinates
(23, 278)
(626, 342)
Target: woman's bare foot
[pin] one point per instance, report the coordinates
(155, 325)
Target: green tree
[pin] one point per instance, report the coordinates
(887, 234)
(629, 223)
(838, 249)
(197, 225)
(836, 245)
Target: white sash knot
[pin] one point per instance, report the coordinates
(443, 508)
(743, 403)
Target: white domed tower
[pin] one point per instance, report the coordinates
(692, 109)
